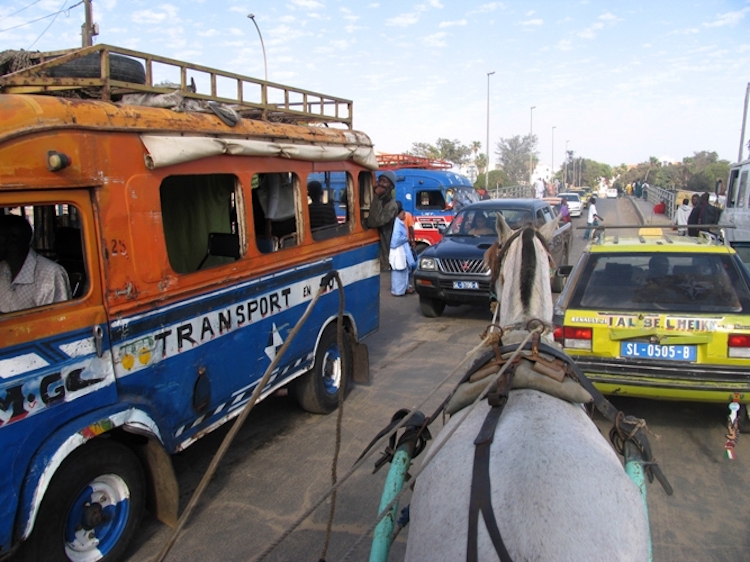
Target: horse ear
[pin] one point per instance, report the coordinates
(503, 230)
(548, 230)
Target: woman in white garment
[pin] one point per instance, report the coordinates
(400, 257)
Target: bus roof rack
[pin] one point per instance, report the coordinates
(45, 73)
(394, 161)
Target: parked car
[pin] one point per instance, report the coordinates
(575, 205)
(612, 193)
(453, 272)
(659, 316)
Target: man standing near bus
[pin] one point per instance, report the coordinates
(383, 211)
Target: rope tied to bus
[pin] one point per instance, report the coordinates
(229, 438)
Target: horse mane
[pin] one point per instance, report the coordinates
(495, 254)
(521, 281)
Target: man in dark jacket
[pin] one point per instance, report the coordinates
(321, 214)
(383, 211)
(703, 213)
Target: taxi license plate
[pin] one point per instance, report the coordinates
(465, 285)
(656, 351)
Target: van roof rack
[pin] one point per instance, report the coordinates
(395, 161)
(43, 73)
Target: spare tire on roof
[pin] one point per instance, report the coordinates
(121, 68)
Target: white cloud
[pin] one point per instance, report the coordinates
(209, 33)
(148, 16)
(491, 7)
(730, 18)
(452, 23)
(237, 32)
(564, 45)
(435, 40)
(403, 20)
(308, 4)
(534, 22)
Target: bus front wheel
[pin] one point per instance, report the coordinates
(92, 508)
(317, 391)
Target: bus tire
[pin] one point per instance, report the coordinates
(431, 308)
(317, 391)
(92, 508)
(121, 68)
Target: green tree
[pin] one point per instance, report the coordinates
(497, 178)
(444, 149)
(480, 161)
(514, 155)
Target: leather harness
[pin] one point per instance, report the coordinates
(625, 427)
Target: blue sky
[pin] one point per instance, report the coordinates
(618, 81)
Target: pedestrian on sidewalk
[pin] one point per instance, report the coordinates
(592, 219)
(681, 217)
(703, 214)
(400, 257)
(383, 213)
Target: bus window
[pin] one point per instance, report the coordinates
(275, 203)
(328, 204)
(41, 256)
(199, 216)
(430, 200)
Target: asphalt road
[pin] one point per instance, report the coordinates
(281, 460)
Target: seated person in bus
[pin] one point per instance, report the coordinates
(276, 196)
(27, 279)
(321, 214)
(481, 226)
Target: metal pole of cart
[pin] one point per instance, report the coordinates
(634, 469)
(394, 482)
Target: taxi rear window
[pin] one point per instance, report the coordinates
(678, 282)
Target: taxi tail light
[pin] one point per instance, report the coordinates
(738, 346)
(558, 334)
(577, 338)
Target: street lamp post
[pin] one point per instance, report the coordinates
(487, 146)
(531, 148)
(262, 46)
(565, 179)
(553, 150)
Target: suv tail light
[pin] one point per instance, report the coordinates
(577, 338)
(738, 346)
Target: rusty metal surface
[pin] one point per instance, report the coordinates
(254, 98)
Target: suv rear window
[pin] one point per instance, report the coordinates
(656, 282)
(466, 220)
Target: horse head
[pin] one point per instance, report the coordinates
(520, 263)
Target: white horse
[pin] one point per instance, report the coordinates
(558, 490)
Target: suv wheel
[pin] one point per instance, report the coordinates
(431, 308)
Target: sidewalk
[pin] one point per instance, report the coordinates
(645, 211)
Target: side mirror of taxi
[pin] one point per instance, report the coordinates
(564, 270)
(442, 228)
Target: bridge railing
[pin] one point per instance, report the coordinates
(655, 194)
(513, 192)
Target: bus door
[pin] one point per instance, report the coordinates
(55, 360)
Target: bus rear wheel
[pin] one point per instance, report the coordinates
(92, 507)
(317, 391)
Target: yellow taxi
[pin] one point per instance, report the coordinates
(656, 315)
